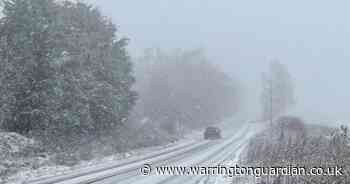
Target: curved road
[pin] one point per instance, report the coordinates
(201, 153)
(211, 154)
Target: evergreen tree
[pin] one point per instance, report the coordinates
(65, 74)
(27, 72)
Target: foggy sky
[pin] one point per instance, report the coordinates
(311, 37)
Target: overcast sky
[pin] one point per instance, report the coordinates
(311, 37)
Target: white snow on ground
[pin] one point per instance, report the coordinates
(213, 153)
(61, 170)
(257, 127)
(17, 152)
(56, 170)
(234, 138)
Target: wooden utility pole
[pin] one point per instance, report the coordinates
(268, 97)
(271, 101)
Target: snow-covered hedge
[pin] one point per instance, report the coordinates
(18, 152)
(291, 142)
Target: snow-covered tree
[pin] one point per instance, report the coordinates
(278, 91)
(27, 73)
(183, 89)
(64, 72)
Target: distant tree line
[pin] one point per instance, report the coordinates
(182, 89)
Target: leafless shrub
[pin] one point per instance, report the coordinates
(289, 142)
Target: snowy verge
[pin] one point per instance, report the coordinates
(51, 170)
(18, 153)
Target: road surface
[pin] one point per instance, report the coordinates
(199, 153)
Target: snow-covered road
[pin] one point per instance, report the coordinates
(201, 153)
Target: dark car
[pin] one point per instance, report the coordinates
(212, 133)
